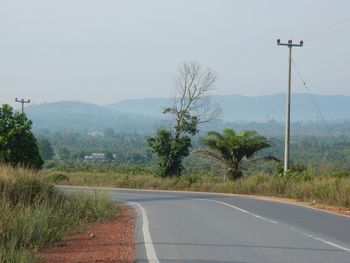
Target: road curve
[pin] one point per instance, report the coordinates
(211, 228)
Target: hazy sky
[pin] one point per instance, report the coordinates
(104, 51)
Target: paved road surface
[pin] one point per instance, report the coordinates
(212, 228)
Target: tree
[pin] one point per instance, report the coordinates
(18, 145)
(233, 150)
(64, 153)
(109, 156)
(108, 132)
(191, 107)
(45, 149)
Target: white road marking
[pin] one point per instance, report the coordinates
(275, 222)
(208, 200)
(151, 254)
(265, 219)
(239, 209)
(150, 251)
(329, 243)
(332, 244)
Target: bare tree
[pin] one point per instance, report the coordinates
(191, 107)
(191, 97)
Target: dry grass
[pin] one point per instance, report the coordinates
(33, 213)
(327, 188)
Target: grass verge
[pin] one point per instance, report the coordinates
(323, 189)
(34, 214)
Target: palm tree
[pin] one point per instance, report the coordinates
(232, 150)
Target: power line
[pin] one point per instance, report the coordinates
(313, 100)
(331, 33)
(307, 35)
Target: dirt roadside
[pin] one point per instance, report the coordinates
(111, 241)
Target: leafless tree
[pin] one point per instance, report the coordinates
(191, 98)
(191, 107)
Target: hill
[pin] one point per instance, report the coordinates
(237, 108)
(264, 114)
(86, 117)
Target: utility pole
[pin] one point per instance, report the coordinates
(287, 132)
(22, 101)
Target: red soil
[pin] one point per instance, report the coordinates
(111, 241)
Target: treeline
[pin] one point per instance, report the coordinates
(73, 146)
(322, 152)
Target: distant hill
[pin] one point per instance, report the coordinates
(264, 114)
(237, 108)
(86, 117)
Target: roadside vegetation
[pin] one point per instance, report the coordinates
(317, 187)
(34, 214)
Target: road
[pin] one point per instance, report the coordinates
(211, 228)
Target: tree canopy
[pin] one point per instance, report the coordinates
(190, 108)
(45, 149)
(18, 145)
(232, 150)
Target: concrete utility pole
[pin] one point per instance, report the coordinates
(287, 132)
(22, 101)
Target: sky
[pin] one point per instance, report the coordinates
(105, 51)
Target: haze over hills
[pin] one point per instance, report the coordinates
(144, 115)
(238, 108)
(86, 117)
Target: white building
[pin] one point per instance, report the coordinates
(95, 157)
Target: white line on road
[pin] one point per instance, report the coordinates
(151, 254)
(275, 222)
(239, 209)
(150, 251)
(332, 244)
(214, 201)
(329, 243)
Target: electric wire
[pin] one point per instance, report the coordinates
(313, 100)
(335, 33)
(307, 35)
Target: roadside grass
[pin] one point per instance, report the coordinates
(34, 214)
(309, 186)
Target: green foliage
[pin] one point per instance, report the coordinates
(170, 151)
(27, 190)
(58, 178)
(128, 148)
(45, 149)
(33, 214)
(340, 174)
(173, 148)
(186, 122)
(108, 156)
(296, 167)
(232, 150)
(18, 145)
(64, 153)
(108, 132)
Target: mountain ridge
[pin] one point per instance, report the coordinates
(145, 115)
(253, 108)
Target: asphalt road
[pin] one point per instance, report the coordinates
(212, 228)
